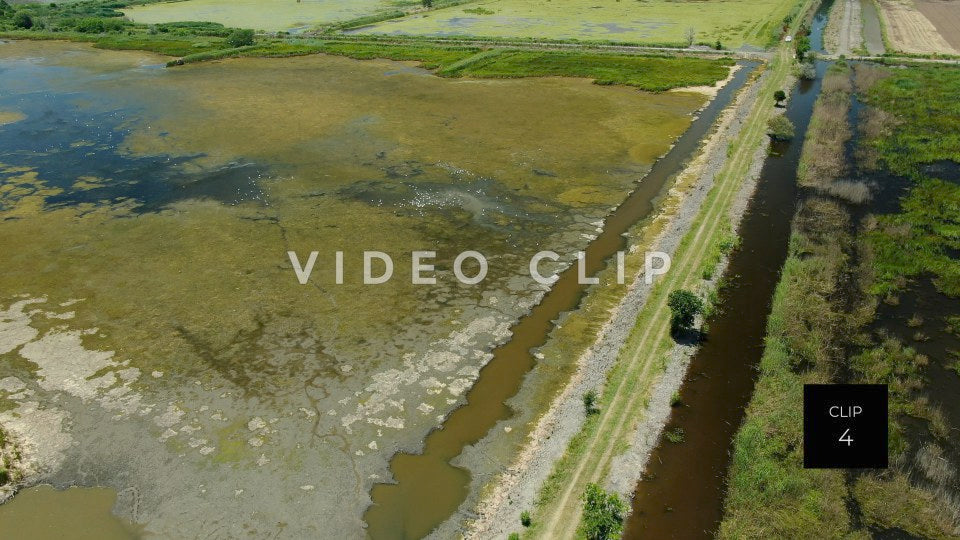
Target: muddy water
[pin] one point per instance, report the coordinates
(681, 493)
(428, 488)
(145, 215)
(44, 513)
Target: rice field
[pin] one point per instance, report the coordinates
(734, 22)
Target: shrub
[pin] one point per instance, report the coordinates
(525, 518)
(514, 536)
(240, 38)
(675, 435)
(676, 400)
(590, 402)
(684, 307)
(602, 514)
(22, 20)
(780, 128)
(90, 25)
(807, 71)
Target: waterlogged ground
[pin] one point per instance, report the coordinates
(153, 336)
(733, 22)
(269, 15)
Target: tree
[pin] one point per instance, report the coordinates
(602, 514)
(427, 3)
(240, 38)
(718, 46)
(780, 128)
(685, 306)
(779, 96)
(690, 34)
(22, 20)
(807, 70)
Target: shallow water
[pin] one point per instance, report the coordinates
(44, 513)
(148, 302)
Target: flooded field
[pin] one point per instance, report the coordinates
(269, 15)
(148, 302)
(734, 23)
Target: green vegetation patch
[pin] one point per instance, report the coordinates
(646, 72)
(429, 56)
(651, 22)
(924, 146)
(818, 330)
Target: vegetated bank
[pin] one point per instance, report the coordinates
(867, 295)
(681, 491)
(601, 439)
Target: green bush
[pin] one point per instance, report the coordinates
(603, 514)
(684, 307)
(90, 25)
(590, 402)
(780, 128)
(525, 518)
(22, 20)
(240, 38)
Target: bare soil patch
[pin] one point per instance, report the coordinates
(945, 16)
(910, 31)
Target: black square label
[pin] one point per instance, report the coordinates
(844, 426)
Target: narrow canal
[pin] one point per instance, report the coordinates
(681, 491)
(428, 489)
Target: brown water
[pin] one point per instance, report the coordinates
(45, 513)
(681, 492)
(428, 488)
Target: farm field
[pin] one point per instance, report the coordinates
(910, 31)
(734, 22)
(268, 15)
(945, 16)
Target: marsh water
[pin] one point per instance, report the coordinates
(44, 513)
(150, 318)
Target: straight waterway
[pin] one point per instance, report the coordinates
(681, 492)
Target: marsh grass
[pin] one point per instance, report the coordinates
(646, 72)
(831, 284)
(823, 160)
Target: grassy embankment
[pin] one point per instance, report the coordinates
(643, 358)
(819, 330)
